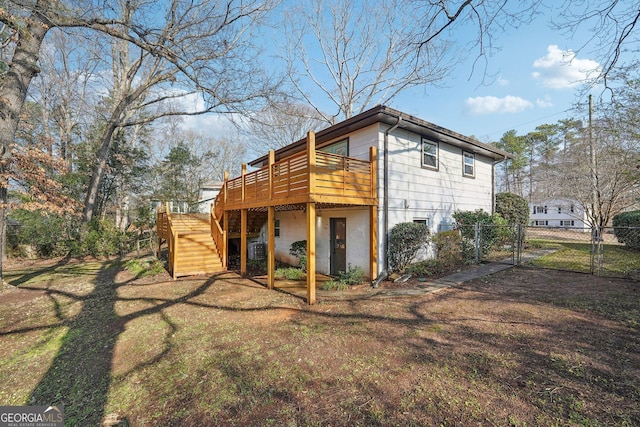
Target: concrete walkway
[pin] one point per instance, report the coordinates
(459, 278)
(298, 287)
(454, 279)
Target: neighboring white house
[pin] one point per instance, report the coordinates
(208, 193)
(554, 213)
(425, 173)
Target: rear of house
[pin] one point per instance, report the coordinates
(424, 174)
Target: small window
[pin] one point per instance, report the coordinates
(276, 228)
(429, 154)
(424, 221)
(559, 209)
(340, 148)
(469, 164)
(540, 210)
(571, 209)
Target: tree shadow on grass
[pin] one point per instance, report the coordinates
(81, 373)
(79, 376)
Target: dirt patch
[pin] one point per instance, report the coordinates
(520, 347)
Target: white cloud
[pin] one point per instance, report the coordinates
(544, 103)
(491, 105)
(502, 81)
(560, 69)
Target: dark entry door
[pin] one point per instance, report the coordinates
(338, 245)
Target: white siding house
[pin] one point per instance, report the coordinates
(208, 193)
(558, 213)
(424, 173)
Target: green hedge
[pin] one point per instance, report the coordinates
(513, 208)
(405, 239)
(626, 228)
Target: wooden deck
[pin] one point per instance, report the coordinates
(306, 177)
(302, 181)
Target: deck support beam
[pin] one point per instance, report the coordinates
(373, 242)
(311, 220)
(243, 242)
(311, 253)
(373, 216)
(225, 232)
(271, 247)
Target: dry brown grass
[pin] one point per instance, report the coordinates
(521, 347)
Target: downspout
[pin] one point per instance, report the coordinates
(385, 273)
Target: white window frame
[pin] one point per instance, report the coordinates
(468, 155)
(276, 228)
(421, 220)
(435, 157)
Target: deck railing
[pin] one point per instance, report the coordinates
(219, 236)
(167, 233)
(326, 178)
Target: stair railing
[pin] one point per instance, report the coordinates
(219, 237)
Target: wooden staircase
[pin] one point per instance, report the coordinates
(192, 250)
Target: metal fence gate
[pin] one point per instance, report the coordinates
(606, 251)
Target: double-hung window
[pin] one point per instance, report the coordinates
(468, 164)
(429, 154)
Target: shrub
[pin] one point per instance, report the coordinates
(430, 267)
(46, 235)
(493, 230)
(102, 238)
(405, 239)
(290, 273)
(299, 250)
(513, 208)
(353, 276)
(627, 228)
(334, 285)
(448, 247)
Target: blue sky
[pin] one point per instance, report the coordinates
(536, 76)
(537, 73)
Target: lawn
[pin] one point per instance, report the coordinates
(615, 259)
(526, 346)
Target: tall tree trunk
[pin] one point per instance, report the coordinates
(98, 169)
(22, 68)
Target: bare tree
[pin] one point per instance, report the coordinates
(202, 46)
(64, 90)
(199, 157)
(356, 54)
(613, 25)
(279, 124)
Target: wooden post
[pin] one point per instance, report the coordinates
(272, 160)
(373, 158)
(225, 225)
(174, 257)
(311, 161)
(243, 240)
(224, 187)
(311, 253)
(225, 234)
(271, 246)
(373, 241)
(373, 215)
(244, 172)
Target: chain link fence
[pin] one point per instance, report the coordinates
(608, 251)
